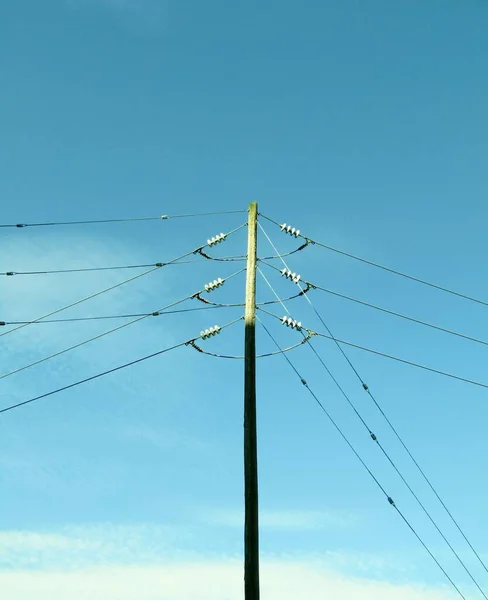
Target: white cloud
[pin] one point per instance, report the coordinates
(145, 562)
(88, 545)
(204, 580)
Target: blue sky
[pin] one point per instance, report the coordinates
(363, 124)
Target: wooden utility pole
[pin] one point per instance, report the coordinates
(251, 526)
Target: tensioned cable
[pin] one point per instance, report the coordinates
(145, 265)
(97, 337)
(346, 439)
(128, 220)
(129, 364)
(130, 316)
(380, 409)
(389, 269)
(387, 311)
(375, 439)
(390, 356)
(118, 284)
(89, 269)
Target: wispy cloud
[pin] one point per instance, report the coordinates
(146, 561)
(204, 580)
(89, 545)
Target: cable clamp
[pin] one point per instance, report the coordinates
(391, 501)
(220, 237)
(289, 229)
(198, 297)
(164, 217)
(20, 225)
(309, 286)
(289, 275)
(365, 387)
(193, 344)
(211, 331)
(303, 381)
(306, 338)
(2, 323)
(307, 242)
(10, 273)
(373, 437)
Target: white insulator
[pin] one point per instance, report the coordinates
(290, 230)
(289, 322)
(211, 331)
(214, 284)
(216, 239)
(295, 277)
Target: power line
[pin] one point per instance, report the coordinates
(128, 316)
(380, 409)
(129, 364)
(147, 265)
(120, 284)
(88, 269)
(128, 220)
(105, 333)
(387, 311)
(346, 439)
(339, 343)
(404, 361)
(375, 439)
(384, 268)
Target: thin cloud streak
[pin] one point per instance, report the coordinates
(205, 580)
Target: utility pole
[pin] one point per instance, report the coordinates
(251, 525)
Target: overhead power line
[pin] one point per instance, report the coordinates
(380, 409)
(129, 316)
(91, 296)
(375, 439)
(386, 311)
(88, 269)
(384, 268)
(124, 366)
(105, 333)
(390, 356)
(363, 463)
(127, 220)
(404, 361)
